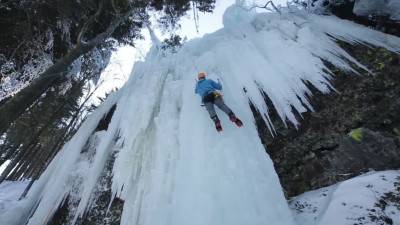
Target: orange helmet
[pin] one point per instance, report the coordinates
(201, 75)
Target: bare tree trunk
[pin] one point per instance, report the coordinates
(14, 163)
(17, 105)
(14, 107)
(25, 155)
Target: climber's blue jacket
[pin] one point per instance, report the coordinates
(206, 86)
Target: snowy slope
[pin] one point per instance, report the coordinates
(9, 193)
(171, 166)
(368, 199)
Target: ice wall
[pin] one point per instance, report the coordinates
(171, 166)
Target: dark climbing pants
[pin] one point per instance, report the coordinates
(219, 102)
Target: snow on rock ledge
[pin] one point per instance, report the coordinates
(369, 199)
(171, 166)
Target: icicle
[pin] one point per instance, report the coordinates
(173, 168)
(153, 36)
(195, 16)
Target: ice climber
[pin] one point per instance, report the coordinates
(208, 90)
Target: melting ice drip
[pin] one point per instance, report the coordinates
(171, 166)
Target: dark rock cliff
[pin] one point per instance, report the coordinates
(352, 131)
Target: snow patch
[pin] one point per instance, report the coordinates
(368, 199)
(10, 191)
(171, 166)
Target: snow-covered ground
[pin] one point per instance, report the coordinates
(171, 166)
(369, 199)
(9, 194)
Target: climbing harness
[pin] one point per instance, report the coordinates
(216, 94)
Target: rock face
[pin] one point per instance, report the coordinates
(381, 15)
(389, 8)
(352, 131)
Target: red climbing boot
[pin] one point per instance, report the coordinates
(218, 126)
(236, 120)
(217, 123)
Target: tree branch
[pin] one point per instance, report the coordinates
(16, 106)
(89, 22)
(266, 6)
(114, 6)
